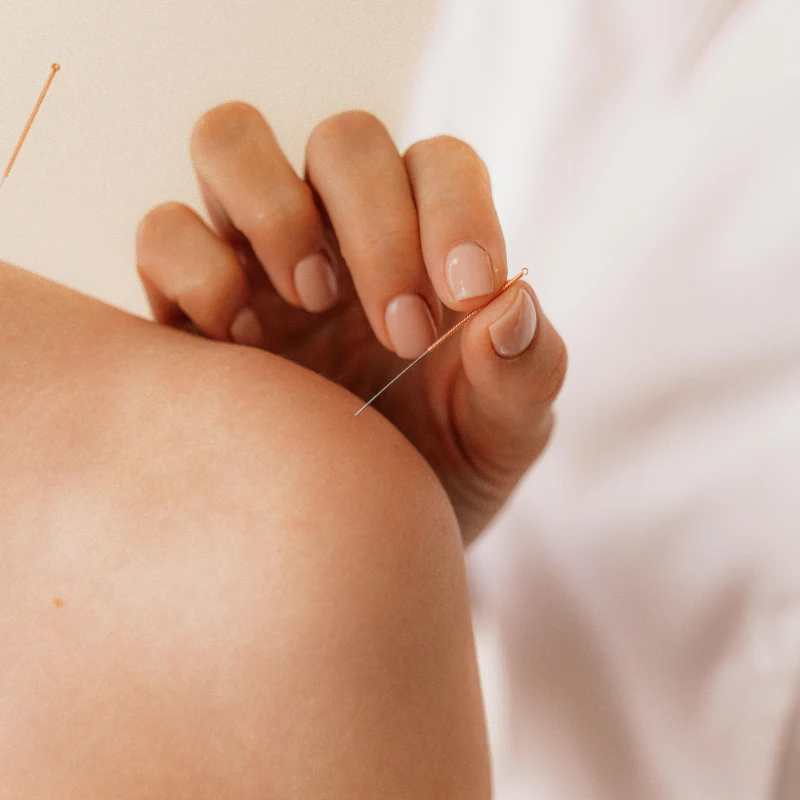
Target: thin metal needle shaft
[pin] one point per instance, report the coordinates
(445, 336)
(53, 69)
(396, 377)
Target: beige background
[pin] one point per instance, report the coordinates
(111, 138)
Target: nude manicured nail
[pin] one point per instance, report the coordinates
(469, 271)
(246, 329)
(410, 325)
(315, 282)
(513, 332)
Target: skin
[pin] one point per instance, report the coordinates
(386, 222)
(214, 581)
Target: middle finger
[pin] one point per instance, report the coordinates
(361, 179)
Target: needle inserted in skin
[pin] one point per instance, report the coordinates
(444, 337)
(53, 69)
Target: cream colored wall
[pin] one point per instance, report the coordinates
(111, 138)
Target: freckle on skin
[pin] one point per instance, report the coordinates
(58, 602)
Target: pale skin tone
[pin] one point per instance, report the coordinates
(214, 580)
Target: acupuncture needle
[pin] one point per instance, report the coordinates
(53, 69)
(445, 336)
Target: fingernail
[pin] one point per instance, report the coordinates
(246, 329)
(513, 332)
(469, 271)
(410, 325)
(315, 282)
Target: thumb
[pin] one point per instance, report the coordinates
(514, 364)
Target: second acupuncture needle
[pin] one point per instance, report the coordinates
(53, 69)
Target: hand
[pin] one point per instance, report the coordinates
(345, 273)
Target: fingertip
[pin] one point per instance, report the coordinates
(510, 349)
(513, 368)
(512, 334)
(469, 272)
(246, 329)
(315, 282)
(505, 327)
(410, 325)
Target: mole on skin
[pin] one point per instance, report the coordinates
(58, 602)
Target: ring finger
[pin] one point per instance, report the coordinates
(360, 177)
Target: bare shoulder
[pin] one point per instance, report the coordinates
(216, 572)
(117, 415)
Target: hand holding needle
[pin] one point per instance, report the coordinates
(376, 242)
(444, 337)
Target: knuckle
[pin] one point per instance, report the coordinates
(223, 127)
(160, 224)
(448, 147)
(350, 130)
(453, 174)
(279, 215)
(464, 208)
(204, 285)
(382, 246)
(208, 286)
(459, 157)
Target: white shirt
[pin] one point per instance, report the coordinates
(645, 579)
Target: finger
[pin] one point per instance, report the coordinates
(252, 192)
(360, 177)
(461, 238)
(189, 272)
(514, 366)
